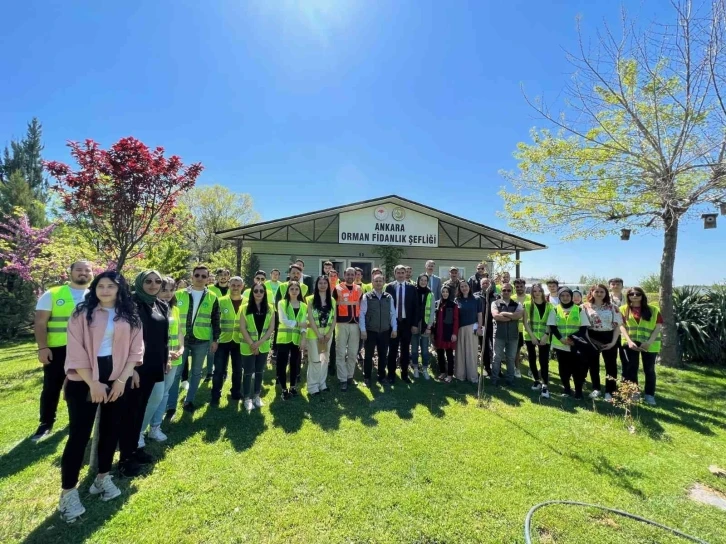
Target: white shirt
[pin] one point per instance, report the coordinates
(107, 343)
(401, 290)
(196, 299)
(45, 302)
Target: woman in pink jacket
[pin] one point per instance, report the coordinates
(105, 344)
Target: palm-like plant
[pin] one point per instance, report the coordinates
(693, 319)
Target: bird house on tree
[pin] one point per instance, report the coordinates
(625, 234)
(709, 220)
(722, 206)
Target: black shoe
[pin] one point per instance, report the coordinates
(406, 379)
(208, 378)
(142, 458)
(129, 468)
(44, 429)
(391, 381)
(235, 398)
(293, 392)
(381, 380)
(366, 382)
(579, 396)
(224, 377)
(189, 407)
(285, 394)
(214, 402)
(352, 382)
(343, 386)
(169, 415)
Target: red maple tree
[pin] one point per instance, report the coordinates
(122, 194)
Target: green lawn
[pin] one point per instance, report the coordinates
(418, 463)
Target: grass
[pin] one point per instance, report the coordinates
(418, 463)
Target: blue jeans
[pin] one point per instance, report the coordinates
(198, 352)
(423, 341)
(157, 395)
(169, 380)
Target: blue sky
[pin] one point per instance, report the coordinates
(307, 105)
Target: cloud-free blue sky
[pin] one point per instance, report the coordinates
(312, 104)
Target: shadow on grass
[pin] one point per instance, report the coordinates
(54, 529)
(26, 453)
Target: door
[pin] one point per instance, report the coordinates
(366, 267)
(338, 265)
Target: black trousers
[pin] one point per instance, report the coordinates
(81, 415)
(135, 401)
(610, 357)
(376, 341)
(403, 339)
(487, 347)
(544, 361)
(54, 374)
(332, 368)
(571, 365)
(447, 369)
(631, 362)
(287, 352)
(225, 350)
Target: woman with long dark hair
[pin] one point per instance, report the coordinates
(321, 321)
(293, 316)
(470, 325)
(446, 325)
(105, 345)
(641, 329)
(421, 339)
(256, 329)
(537, 339)
(603, 335)
(150, 387)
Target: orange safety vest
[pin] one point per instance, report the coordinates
(351, 296)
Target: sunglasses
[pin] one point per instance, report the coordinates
(634, 295)
(149, 282)
(203, 276)
(259, 291)
(259, 279)
(506, 290)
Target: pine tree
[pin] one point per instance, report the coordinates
(16, 193)
(26, 156)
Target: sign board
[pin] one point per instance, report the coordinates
(388, 224)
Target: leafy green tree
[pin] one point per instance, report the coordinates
(391, 256)
(650, 283)
(592, 280)
(16, 193)
(250, 266)
(641, 144)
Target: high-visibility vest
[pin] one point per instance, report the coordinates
(366, 287)
(640, 332)
(245, 348)
(427, 309)
(537, 322)
(287, 335)
(351, 296)
(174, 333)
(203, 322)
(272, 289)
(567, 324)
(520, 325)
(229, 320)
(62, 306)
(316, 317)
(283, 289)
(214, 289)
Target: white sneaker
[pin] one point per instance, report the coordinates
(185, 385)
(106, 488)
(608, 397)
(257, 401)
(537, 387)
(415, 372)
(156, 434)
(517, 373)
(545, 394)
(650, 400)
(249, 406)
(425, 372)
(595, 394)
(70, 506)
(142, 442)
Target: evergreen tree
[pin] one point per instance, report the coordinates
(16, 193)
(26, 156)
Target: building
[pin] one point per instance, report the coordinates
(349, 235)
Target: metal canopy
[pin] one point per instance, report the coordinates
(321, 227)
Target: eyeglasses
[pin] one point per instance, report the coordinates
(204, 277)
(634, 295)
(259, 291)
(149, 282)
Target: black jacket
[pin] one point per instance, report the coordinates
(410, 301)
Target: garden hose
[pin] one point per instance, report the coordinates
(528, 519)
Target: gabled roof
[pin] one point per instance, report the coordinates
(450, 227)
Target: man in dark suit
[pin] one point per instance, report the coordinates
(306, 278)
(407, 312)
(434, 280)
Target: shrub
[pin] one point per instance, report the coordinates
(701, 323)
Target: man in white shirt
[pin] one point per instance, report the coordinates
(52, 312)
(378, 324)
(616, 291)
(553, 286)
(407, 313)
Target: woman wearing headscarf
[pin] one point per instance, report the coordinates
(154, 314)
(568, 327)
(422, 338)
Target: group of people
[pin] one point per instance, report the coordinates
(128, 354)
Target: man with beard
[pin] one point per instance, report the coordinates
(52, 313)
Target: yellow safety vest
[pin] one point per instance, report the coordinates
(286, 335)
(174, 333)
(229, 320)
(203, 323)
(640, 332)
(283, 289)
(520, 325)
(245, 348)
(62, 307)
(567, 324)
(316, 316)
(537, 322)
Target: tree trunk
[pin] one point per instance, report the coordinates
(121, 261)
(669, 349)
